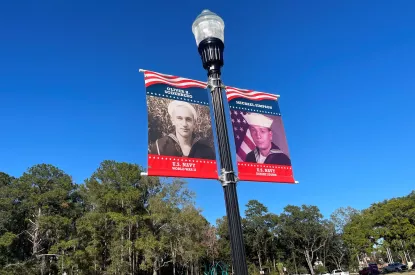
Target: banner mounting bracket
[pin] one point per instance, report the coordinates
(213, 86)
(223, 177)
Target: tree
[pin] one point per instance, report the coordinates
(211, 243)
(160, 239)
(342, 216)
(116, 198)
(224, 243)
(118, 222)
(40, 207)
(45, 196)
(257, 226)
(337, 250)
(7, 234)
(304, 229)
(193, 231)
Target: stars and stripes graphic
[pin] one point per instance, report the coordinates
(232, 93)
(243, 139)
(151, 78)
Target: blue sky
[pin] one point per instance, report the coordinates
(72, 96)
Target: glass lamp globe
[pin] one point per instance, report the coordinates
(208, 25)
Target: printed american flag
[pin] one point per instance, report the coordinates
(243, 139)
(232, 93)
(152, 78)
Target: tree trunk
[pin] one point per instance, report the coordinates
(364, 259)
(122, 247)
(273, 262)
(259, 260)
(35, 236)
(105, 244)
(173, 256)
(155, 267)
(295, 264)
(63, 255)
(130, 258)
(136, 254)
(95, 256)
(309, 263)
(43, 265)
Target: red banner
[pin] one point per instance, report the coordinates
(263, 172)
(176, 167)
(180, 136)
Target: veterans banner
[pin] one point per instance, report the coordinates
(261, 146)
(180, 136)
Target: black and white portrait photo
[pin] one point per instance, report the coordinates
(180, 129)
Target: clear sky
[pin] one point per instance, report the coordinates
(72, 96)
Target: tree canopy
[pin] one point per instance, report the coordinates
(118, 222)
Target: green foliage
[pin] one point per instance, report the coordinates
(6, 239)
(321, 269)
(224, 245)
(342, 216)
(305, 231)
(259, 231)
(118, 222)
(388, 224)
(253, 269)
(280, 268)
(303, 270)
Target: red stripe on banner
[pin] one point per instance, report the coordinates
(170, 77)
(248, 92)
(232, 92)
(231, 96)
(167, 166)
(152, 78)
(179, 84)
(159, 74)
(249, 142)
(241, 153)
(265, 172)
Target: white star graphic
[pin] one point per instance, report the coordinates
(240, 128)
(239, 121)
(235, 128)
(237, 137)
(235, 112)
(233, 121)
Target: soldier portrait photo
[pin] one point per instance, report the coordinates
(180, 129)
(259, 138)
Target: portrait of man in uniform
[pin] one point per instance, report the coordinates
(183, 141)
(265, 149)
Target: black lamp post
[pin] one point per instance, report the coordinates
(208, 29)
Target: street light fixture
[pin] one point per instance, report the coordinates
(208, 29)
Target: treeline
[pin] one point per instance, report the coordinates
(118, 222)
(384, 228)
